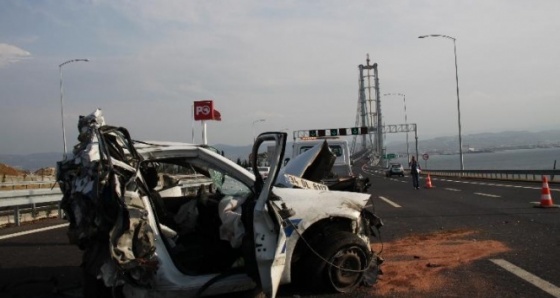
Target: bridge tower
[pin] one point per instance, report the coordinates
(368, 113)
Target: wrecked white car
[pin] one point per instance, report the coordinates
(336, 156)
(171, 219)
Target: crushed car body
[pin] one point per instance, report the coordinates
(164, 219)
(318, 163)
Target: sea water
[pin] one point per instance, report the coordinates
(519, 159)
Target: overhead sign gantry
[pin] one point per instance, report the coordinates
(331, 132)
(356, 131)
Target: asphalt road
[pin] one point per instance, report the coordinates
(40, 264)
(43, 264)
(500, 211)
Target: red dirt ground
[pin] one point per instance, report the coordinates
(7, 170)
(417, 264)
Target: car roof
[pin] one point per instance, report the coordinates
(157, 150)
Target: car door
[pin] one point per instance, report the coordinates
(269, 236)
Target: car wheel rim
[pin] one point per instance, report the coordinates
(347, 267)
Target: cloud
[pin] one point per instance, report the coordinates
(293, 63)
(11, 54)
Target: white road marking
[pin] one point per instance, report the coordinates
(487, 195)
(33, 231)
(452, 189)
(529, 277)
(497, 184)
(390, 202)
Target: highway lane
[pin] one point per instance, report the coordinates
(42, 263)
(38, 264)
(499, 211)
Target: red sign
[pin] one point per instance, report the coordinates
(204, 110)
(425, 156)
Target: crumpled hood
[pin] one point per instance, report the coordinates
(314, 164)
(311, 205)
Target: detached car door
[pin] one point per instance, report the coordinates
(269, 236)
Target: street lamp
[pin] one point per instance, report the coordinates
(253, 125)
(62, 101)
(405, 120)
(458, 102)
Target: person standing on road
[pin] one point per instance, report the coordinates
(414, 172)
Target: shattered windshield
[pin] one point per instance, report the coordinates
(233, 187)
(186, 176)
(228, 185)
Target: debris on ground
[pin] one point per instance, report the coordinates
(418, 263)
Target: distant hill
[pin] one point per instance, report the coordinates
(234, 152)
(10, 171)
(37, 161)
(242, 152)
(481, 141)
(31, 162)
(6, 170)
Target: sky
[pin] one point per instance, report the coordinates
(292, 63)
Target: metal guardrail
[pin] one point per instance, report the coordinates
(21, 198)
(31, 197)
(510, 175)
(28, 184)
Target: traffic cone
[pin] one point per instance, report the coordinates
(428, 182)
(546, 198)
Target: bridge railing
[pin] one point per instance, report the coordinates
(511, 175)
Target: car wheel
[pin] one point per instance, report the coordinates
(341, 267)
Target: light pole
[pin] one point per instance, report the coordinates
(253, 125)
(405, 120)
(62, 101)
(458, 101)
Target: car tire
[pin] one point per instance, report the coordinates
(338, 250)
